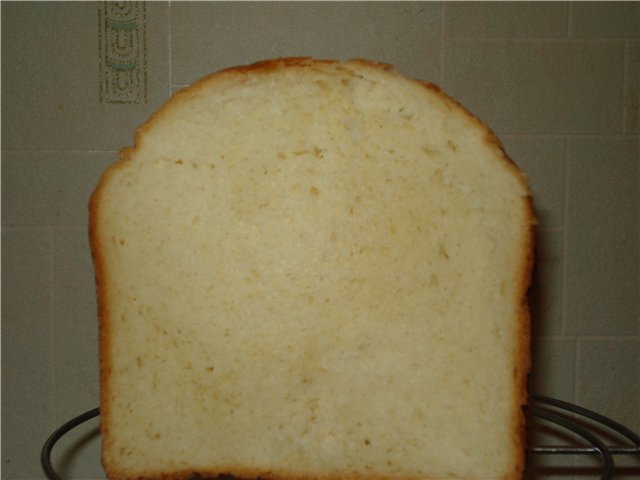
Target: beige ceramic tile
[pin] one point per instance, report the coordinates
(539, 87)
(75, 316)
(76, 353)
(27, 341)
(626, 467)
(547, 283)
(548, 467)
(608, 378)
(553, 368)
(542, 160)
(208, 36)
(602, 237)
(505, 19)
(50, 188)
(52, 75)
(605, 19)
(632, 87)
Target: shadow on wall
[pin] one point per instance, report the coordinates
(543, 433)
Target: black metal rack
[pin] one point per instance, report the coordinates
(557, 412)
(586, 424)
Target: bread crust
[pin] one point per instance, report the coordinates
(522, 349)
(521, 352)
(102, 295)
(235, 473)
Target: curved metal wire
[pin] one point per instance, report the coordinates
(615, 426)
(597, 447)
(45, 454)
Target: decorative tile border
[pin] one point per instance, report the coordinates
(122, 52)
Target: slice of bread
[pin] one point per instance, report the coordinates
(313, 269)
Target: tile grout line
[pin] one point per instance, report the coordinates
(52, 150)
(442, 37)
(565, 249)
(35, 227)
(625, 85)
(52, 320)
(576, 356)
(145, 51)
(565, 40)
(620, 336)
(590, 337)
(169, 43)
(596, 135)
(576, 366)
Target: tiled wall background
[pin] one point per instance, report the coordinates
(558, 82)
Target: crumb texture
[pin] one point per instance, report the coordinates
(314, 269)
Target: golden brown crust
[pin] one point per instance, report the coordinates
(261, 67)
(104, 324)
(234, 473)
(97, 254)
(521, 351)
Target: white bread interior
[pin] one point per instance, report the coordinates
(313, 269)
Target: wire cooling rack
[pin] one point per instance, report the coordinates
(584, 424)
(588, 425)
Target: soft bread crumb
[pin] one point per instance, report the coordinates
(313, 269)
